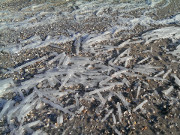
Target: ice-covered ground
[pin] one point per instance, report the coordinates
(100, 67)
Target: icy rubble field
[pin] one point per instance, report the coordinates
(100, 76)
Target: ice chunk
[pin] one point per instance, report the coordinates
(119, 111)
(145, 69)
(114, 118)
(25, 109)
(14, 111)
(160, 73)
(60, 119)
(4, 85)
(34, 123)
(123, 45)
(119, 73)
(6, 107)
(117, 131)
(100, 38)
(162, 33)
(168, 91)
(119, 58)
(39, 132)
(140, 105)
(80, 110)
(100, 90)
(66, 60)
(68, 76)
(143, 60)
(63, 55)
(77, 44)
(156, 79)
(57, 106)
(77, 100)
(167, 73)
(58, 57)
(122, 98)
(101, 98)
(177, 80)
(125, 81)
(138, 91)
(176, 52)
(132, 74)
(107, 115)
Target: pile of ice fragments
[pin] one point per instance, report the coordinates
(95, 72)
(99, 80)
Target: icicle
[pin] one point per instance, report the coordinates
(177, 81)
(11, 113)
(25, 109)
(114, 118)
(127, 62)
(107, 115)
(68, 76)
(66, 61)
(117, 131)
(119, 111)
(76, 98)
(168, 91)
(61, 59)
(60, 119)
(167, 73)
(145, 69)
(156, 79)
(80, 110)
(146, 83)
(119, 73)
(123, 44)
(125, 81)
(126, 52)
(138, 91)
(159, 58)
(57, 106)
(101, 98)
(4, 85)
(160, 73)
(122, 98)
(143, 60)
(104, 82)
(100, 90)
(39, 132)
(140, 105)
(121, 58)
(6, 107)
(100, 38)
(56, 58)
(132, 74)
(77, 44)
(34, 123)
